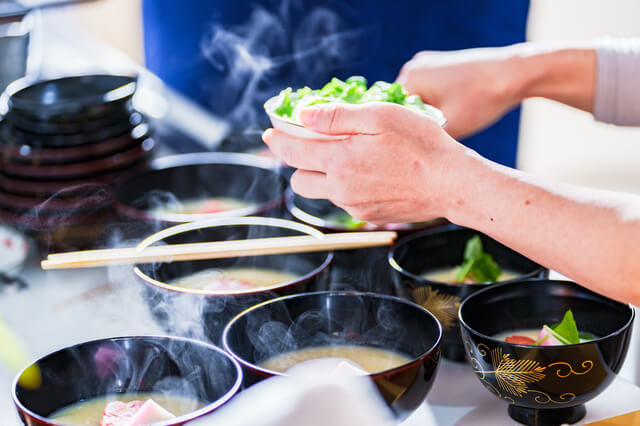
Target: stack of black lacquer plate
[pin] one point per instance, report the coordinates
(64, 142)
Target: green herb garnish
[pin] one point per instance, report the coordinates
(477, 265)
(353, 90)
(349, 222)
(566, 330)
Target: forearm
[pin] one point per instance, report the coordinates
(590, 236)
(563, 74)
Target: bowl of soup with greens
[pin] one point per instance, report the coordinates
(546, 347)
(438, 268)
(392, 341)
(138, 380)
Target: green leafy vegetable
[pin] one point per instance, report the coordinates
(285, 109)
(477, 265)
(353, 90)
(357, 79)
(566, 330)
(415, 102)
(348, 221)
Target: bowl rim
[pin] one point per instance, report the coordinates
(231, 221)
(200, 159)
(303, 216)
(185, 417)
(265, 371)
(572, 284)
(122, 92)
(393, 262)
(431, 111)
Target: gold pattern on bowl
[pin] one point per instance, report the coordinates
(514, 377)
(443, 306)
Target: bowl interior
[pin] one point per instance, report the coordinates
(443, 248)
(137, 364)
(172, 186)
(300, 264)
(526, 305)
(320, 319)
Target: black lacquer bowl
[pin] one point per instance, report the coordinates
(204, 313)
(71, 99)
(176, 179)
(363, 269)
(544, 385)
(342, 318)
(322, 215)
(441, 248)
(129, 364)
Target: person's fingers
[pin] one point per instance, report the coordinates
(310, 184)
(348, 119)
(300, 153)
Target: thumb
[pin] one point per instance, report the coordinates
(349, 119)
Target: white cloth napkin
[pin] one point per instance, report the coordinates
(305, 401)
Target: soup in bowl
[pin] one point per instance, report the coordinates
(168, 380)
(392, 341)
(197, 298)
(189, 187)
(426, 264)
(545, 383)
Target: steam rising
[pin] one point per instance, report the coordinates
(294, 44)
(367, 322)
(250, 57)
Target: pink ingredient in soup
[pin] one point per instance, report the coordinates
(228, 284)
(134, 413)
(212, 206)
(150, 412)
(118, 413)
(549, 340)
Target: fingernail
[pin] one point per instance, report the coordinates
(309, 116)
(266, 135)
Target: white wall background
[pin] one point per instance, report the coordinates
(566, 144)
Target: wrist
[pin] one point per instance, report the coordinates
(563, 74)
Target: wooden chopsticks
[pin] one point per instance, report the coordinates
(217, 249)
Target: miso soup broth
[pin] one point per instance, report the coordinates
(233, 279)
(448, 275)
(90, 412)
(370, 359)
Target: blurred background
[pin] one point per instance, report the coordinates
(554, 140)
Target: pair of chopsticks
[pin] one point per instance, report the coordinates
(218, 249)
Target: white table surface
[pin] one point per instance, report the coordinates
(60, 309)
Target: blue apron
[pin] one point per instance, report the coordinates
(230, 56)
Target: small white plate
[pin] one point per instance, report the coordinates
(13, 250)
(298, 130)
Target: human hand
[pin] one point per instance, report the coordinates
(393, 165)
(472, 87)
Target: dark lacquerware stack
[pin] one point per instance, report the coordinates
(64, 142)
